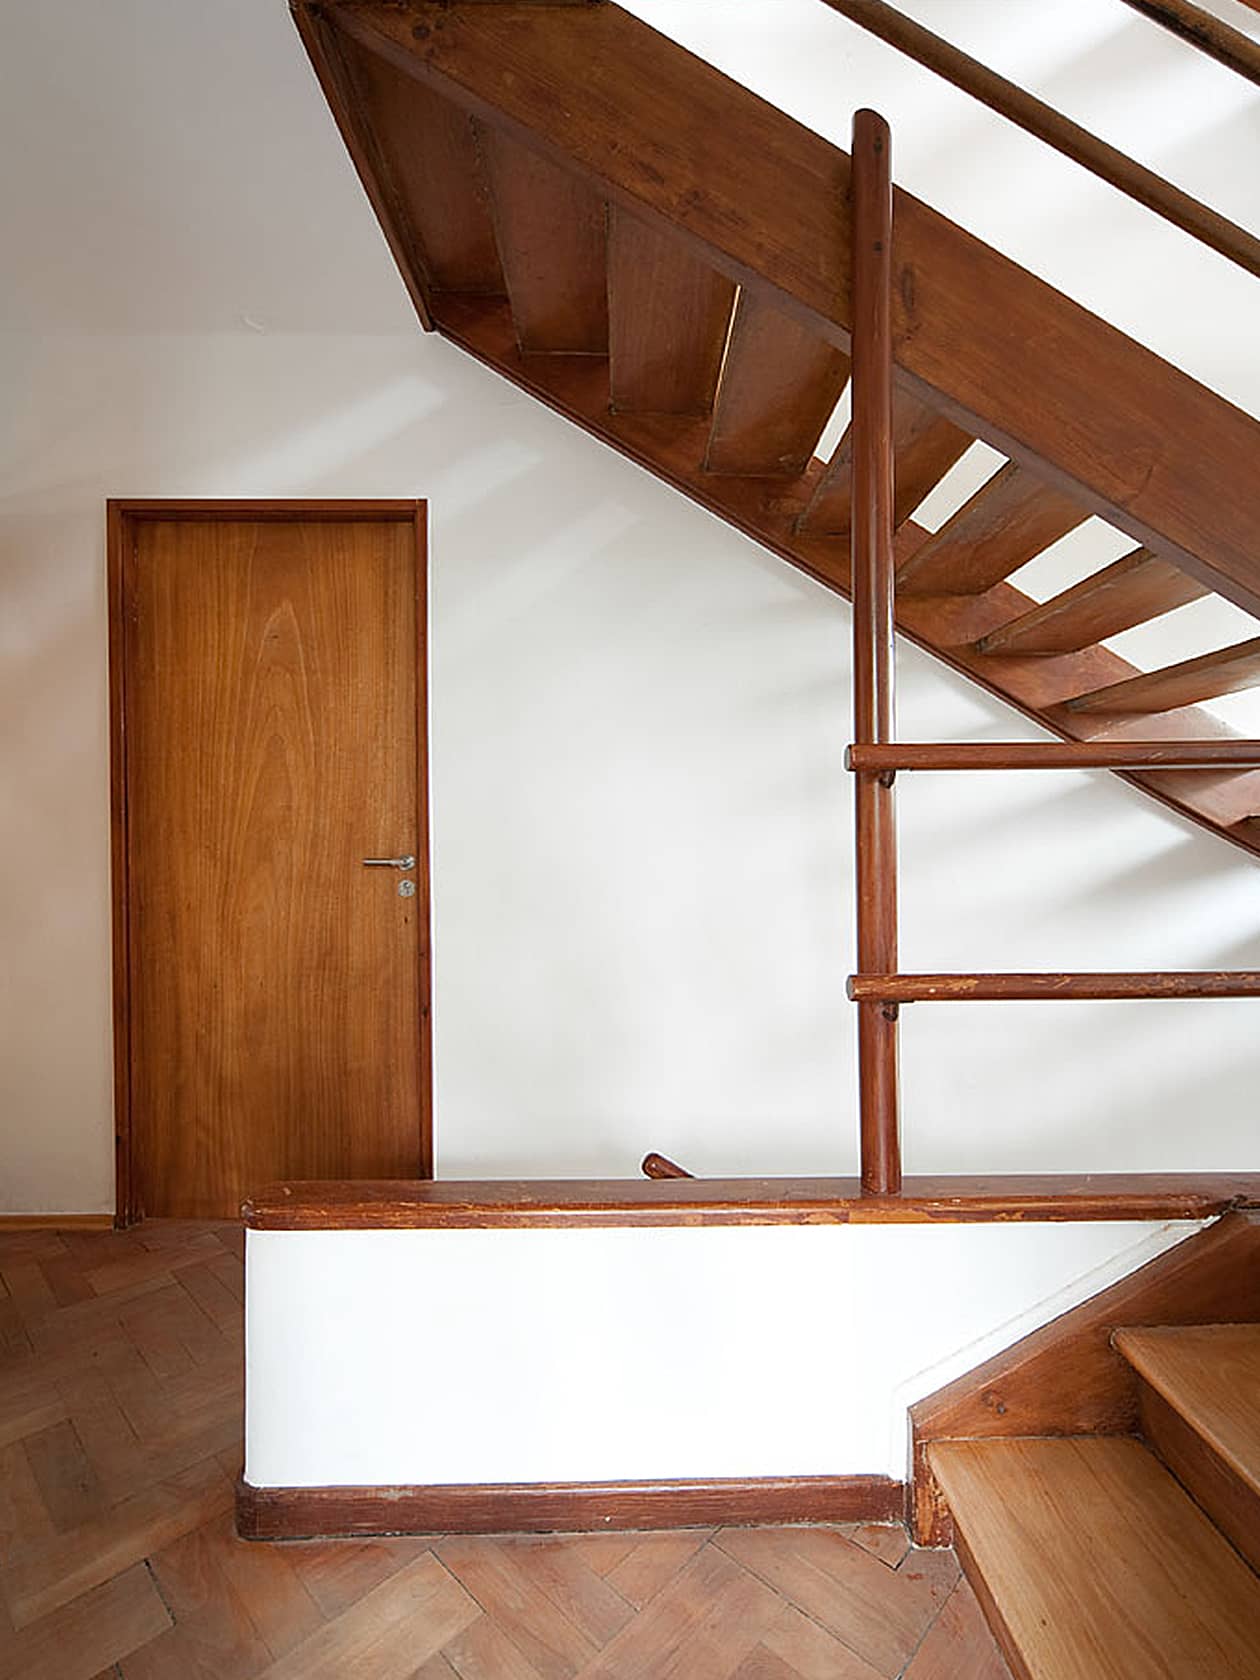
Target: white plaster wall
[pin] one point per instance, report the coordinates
(641, 822)
(418, 1357)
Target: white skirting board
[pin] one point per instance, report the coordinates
(430, 1357)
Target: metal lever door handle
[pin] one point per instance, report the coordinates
(390, 863)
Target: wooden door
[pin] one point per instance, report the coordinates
(269, 686)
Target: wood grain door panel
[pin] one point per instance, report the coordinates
(278, 997)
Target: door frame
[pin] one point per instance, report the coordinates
(122, 517)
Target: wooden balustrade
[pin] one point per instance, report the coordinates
(875, 756)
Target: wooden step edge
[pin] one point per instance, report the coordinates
(1089, 1559)
(1212, 1480)
(1145, 1348)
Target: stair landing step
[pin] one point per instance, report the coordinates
(1210, 1374)
(1095, 1564)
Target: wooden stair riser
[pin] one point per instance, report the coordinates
(1231, 1504)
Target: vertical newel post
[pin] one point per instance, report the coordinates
(873, 644)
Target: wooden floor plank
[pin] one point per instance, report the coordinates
(1097, 1563)
(959, 1644)
(889, 1542)
(270, 1588)
(71, 1492)
(389, 1633)
(707, 1621)
(808, 1650)
(338, 1573)
(653, 1561)
(506, 1590)
(57, 1570)
(594, 1607)
(77, 1642)
(29, 1401)
(483, 1651)
(879, 1613)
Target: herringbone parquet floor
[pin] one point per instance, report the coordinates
(120, 1423)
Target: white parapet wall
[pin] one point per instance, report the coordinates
(429, 1357)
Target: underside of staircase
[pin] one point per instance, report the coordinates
(662, 257)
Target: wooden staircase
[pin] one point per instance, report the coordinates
(663, 258)
(1107, 1558)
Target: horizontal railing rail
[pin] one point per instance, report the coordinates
(1054, 755)
(1040, 988)
(1037, 118)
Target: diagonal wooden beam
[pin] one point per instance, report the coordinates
(759, 196)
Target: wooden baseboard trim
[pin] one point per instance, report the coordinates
(56, 1222)
(298, 1513)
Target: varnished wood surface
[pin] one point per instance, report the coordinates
(301, 1513)
(668, 318)
(423, 154)
(1133, 590)
(550, 226)
(1019, 106)
(1201, 28)
(1009, 520)
(1097, 1563)
(475, 1203)
(660, 1166)
(925, 445)
(1210, 1373)
(120, 1433)
(995, 988)
(1206, 677)
(779, 385)
(1066, 1378)
(1054, 755)
(874, 642)
(277, 991)
(1228, 1499)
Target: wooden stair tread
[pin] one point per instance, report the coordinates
(669, 316)
(551, 231)
(1210, 1374)
(1209, 676)
(1096, 1564)
(1133, 590)
(778, 388)
(1009, 520)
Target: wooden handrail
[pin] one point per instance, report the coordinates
(1211, 35)
(1054, 755)
(1035, 117)
(1030, 988)
(660, 1166)
(874, 643)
